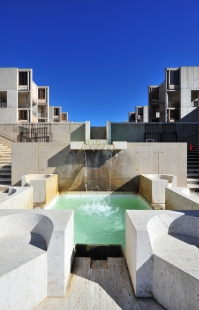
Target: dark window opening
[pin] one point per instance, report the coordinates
(23, 78)
(140, 111)
(56, 111)
(174, 77)
(154, 93)
(41, 93)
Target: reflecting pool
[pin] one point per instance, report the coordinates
(100, 218)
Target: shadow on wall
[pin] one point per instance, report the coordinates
(92, 171)
(191, 116)
(78, 134)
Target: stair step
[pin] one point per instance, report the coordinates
(193, 187)
(192, 181)
(4, 173)
(5, 179)
(190, 175)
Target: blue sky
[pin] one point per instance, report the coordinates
(98, 56)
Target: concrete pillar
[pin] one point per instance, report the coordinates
(87, 131)
(108, 131)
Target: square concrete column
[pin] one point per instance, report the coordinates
(108, 132)
(87, 131)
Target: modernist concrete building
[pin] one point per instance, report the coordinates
(21, 100)
(176, 98)
(56, 115)
(140, 115)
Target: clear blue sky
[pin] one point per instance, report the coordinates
(98, 56)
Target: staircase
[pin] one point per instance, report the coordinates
(193, 169)
(5, 165)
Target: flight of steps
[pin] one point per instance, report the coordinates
(5, 165)
(193, 169)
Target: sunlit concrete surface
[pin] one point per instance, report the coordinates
(162, 256)
(99, 289)
(16, 197)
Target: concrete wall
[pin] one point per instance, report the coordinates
(130, 132)
(8, 83)
(99, 170)
(61, 132)
(135, 132)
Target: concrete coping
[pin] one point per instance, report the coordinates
(169, 177)
(11, 191)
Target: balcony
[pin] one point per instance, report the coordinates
(23, 106)
(45, 115)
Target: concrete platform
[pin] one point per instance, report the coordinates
(99, 289)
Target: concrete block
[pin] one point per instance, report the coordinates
(162, 256)
(180, 198)
(152, 186)
(17, 198)
(76, 145)
(45, 186)
(119, 145)
(36, 249)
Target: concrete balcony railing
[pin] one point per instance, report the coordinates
(42, 115)
(23, 106)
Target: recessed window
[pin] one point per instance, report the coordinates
(41, 93)
(140, 111)
(56, 111)
(3, 99)
(23, 78)
(174, 77)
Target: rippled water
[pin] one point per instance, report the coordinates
(100, 218)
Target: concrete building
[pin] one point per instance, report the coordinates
(140, 114)
(21, 100)
(56, 115)
(176, 98)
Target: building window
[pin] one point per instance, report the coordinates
(23, 78)
(56, 112)
(3, 99)
(174, 77)
(140, 111)
(41, 93)
(154, 93)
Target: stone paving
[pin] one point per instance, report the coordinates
(99, 289)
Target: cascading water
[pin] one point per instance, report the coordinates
(85, 170)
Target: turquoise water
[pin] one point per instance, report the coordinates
(100, 218)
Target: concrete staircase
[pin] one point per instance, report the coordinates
(5, 165)
(193, 169)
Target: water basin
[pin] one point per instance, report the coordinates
(100, 218)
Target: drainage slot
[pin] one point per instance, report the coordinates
(98, 254)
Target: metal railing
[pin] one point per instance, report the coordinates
(35, 132)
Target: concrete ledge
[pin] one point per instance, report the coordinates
(117, 145)
(45, 186)
(76, 145)
(17, 197)
(180, 198)
(152, 186)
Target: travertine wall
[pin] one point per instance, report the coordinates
(99, 170)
